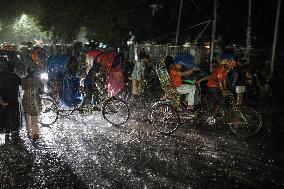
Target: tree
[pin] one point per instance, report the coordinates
(25, 29)
(60, 18)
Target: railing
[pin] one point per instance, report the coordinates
(158, 51)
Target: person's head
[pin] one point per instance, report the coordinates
(72, 65)
(8, 67)
(168, 61)
(142, 54)
(227, 64)
(176, 67)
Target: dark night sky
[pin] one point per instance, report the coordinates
(231, 25)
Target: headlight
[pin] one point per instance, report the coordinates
(44, 76)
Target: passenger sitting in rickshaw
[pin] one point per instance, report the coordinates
(90, 83)
(71, 95)
(188, 89)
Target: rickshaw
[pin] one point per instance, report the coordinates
(109, 83)
(113, 109)
(168, 115)
(54, 71)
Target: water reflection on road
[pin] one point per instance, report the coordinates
(87, 152)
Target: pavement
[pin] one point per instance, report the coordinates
(87, 152)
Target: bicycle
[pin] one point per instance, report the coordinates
(114, 110)
(167, 116)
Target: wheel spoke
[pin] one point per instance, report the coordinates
(115, 111)
(164, 118)
(245, 121)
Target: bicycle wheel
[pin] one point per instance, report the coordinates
(115, 111)
(244, 121)
(49, 113)
(165, 118)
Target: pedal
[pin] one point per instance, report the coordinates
(211, 120)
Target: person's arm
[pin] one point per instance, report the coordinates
(222, 86)
(224, 83)
(206, 78)
(235, 79)
(189, 72)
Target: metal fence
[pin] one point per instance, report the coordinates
(159, 51)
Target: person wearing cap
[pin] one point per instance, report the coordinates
(217, 85)
(32, 87)
(189, 90)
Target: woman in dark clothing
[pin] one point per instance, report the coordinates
(9, 91)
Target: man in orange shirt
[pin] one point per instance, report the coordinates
(188, 90)
(217, 85)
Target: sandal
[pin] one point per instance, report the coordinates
(35, 137)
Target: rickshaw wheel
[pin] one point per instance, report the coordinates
(49, 113)
(115, 111)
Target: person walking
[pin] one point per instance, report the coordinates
(138, 74)
(9, 100)
(32, 87)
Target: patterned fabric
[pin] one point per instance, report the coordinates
(138, 70)
(115, 81)
(32, 87)
(167, 86)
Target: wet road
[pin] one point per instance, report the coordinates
(87, 152)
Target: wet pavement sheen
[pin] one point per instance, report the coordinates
(86, 152)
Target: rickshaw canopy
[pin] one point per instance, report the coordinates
(90, 58)
(186, 60)
(227, 56)
(106, 61)
(109, 64)
(56, 64)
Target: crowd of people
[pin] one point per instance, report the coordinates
(231, 75)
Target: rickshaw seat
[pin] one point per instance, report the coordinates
(167, 86)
